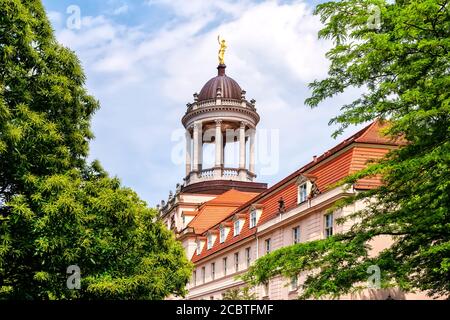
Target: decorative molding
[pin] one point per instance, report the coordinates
(256, 206)
(239, 216)
(222, 111)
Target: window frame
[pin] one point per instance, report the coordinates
(203, 274)
(198, 249)
(237, 231)
(294, 283)
(194, 277)
(236, 261)
(248, 257)
(210, 242)
(253, 218)
(296, 235)
(222, 234)
(266, 288)
(224, 265)
(302, 197)
(328, 229)
(213, 271)
(267, 245)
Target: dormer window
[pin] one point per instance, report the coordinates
(222, 234)
(211, 238)
(199, 248)
(254, 215)
(237, 227)
(307, 187)
(238, 222)
(252, 218)
(302, 193)
(210, 242)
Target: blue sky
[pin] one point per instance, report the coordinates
(145, 58)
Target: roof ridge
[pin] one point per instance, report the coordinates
(367, 129)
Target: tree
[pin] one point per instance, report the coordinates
(57, 210)
(403, 66)
(243, 293)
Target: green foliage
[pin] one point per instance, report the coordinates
(123, 251)
(404, 67)
(244, 293)
(55, 209)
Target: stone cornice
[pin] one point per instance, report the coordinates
(225, 110)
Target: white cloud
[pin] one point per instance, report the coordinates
(55, 18)
(121, 10)
(144, 78)
(195, 8)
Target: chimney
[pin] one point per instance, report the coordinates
(281, 207)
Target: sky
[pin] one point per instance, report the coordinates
(144, 59)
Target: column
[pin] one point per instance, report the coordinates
(196, 147)
(219, 150)
(200, 146)
(188, 152)
(251, 168)
(218, 143)
(242, 146)
(224, 144)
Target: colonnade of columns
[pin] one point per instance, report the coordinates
(194, 149)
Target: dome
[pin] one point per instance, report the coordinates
(229, 87)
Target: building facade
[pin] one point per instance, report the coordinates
(225, 220)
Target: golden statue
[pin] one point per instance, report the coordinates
(223, 46)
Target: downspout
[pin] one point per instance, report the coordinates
(257, 244)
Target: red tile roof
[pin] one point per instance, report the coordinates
(215, 210)
(328, 169)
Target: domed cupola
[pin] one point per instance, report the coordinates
(228, 87)
(220, 114)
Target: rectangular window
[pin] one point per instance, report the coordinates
(294, 283)
(253, 219)
(236, 261)
(222, 234)
(267, 245)
(237, 227)
(210, 241)
(302, 195)
(248, 256)
(328, 225)
(296, 235)
(198, 247)
(203, 275)
(266, 289)
(194, 277)
(224, 266)
(213, 271)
